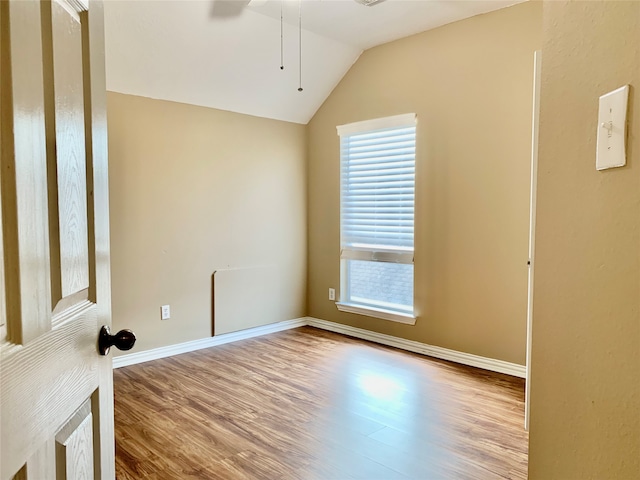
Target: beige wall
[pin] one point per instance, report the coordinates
(585, 387)
(471, 84)
(195, 190)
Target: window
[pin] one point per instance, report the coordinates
(376, 217)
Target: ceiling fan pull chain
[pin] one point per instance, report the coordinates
(300, 41)
(281, 37)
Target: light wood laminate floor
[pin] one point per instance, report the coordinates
(309, 404)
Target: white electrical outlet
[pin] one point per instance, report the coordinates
(165, 312)
(332, 294)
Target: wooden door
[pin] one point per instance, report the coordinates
(56, 389)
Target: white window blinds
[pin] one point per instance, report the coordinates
(378, 187)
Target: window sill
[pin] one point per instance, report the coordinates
(383, 314)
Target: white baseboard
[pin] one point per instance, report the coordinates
(422, 348)
(409, 345)
(170, 350)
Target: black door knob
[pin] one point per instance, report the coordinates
(123, 340)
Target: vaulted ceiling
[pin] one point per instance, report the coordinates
(184, 51)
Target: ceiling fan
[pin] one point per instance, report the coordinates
(234, 8)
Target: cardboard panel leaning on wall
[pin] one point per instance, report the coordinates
(585, 393)
(471, 85)
(194, 190)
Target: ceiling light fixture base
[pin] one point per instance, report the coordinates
(368, 3)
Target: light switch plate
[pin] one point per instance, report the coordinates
(612, 129)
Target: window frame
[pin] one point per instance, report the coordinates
(384, 254)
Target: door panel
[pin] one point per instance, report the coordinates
(40, 464)
(56, 392)
(24, 209)
(74, 446)
(64, 121)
